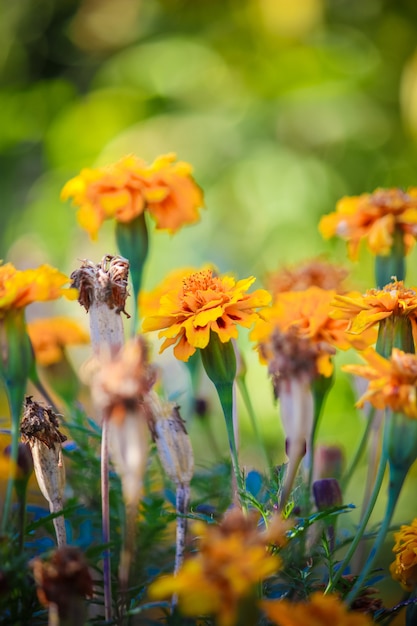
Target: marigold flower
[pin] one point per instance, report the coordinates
(204, 303)
(308, 312)
(50, 335)
(232, 559)
(18, 288)
(374, 217)
(404, 568)
(392, 382)
(363, 311)
(319, 610)
(314, 273)
(124, 190)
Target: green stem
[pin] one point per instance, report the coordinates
(15, 396)
(395, 486)
(359, 450)
(252, 416)
(133, 243)
(225, 393)
(361, 529)
(393, 264)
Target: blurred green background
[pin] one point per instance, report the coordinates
(281, 106)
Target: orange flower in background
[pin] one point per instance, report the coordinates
(404, 568)
(314, 273)
(124, 190)
(392, 382)
(232, 558)
(49, 337)
(364, 311)
(318, 610)
(18, 288)
(204, 303)
(374, 217)
(308, 311)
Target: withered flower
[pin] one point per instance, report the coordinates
(176, 455)
(63, 583)
(103, 292)
(40, 429)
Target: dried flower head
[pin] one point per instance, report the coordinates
(404, 568)
(63, 580)
(231, 560)
(392, 382)
(121, 389)
(40, 429)
(124, 190)
(105, 282)
(314, 273)
(50, 336)
(103, 293)
(309, 312)
(374, 217)
(172, 441)
(204, 303)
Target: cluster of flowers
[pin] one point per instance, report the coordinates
(241, 572)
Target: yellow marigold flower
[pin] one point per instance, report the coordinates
(404, 568)
(374, 217)
(232, 559)
(205, 303)
(363, 311)
(392, 382)
(319, 610)
(314, 273)
(49, 337)
(166, 189)
(18, 288)
(308, 311)
(149, 301)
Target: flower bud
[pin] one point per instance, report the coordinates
(172, 442)
(327, 493)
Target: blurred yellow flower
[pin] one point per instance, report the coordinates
(364, 311)
(49, 337)
(392, 382)
(231, 560)
(124, 190)
(18, 288)
(313, 273)
(404, 568)
(318, 610)
(308, 312)
(202, 304)
(374, 217)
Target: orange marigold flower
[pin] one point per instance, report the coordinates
(374, 217)
(364, 311)
(308, 311)
(318, 610)
(404, 568)
(314, 273)
(392, 382)
(166, 189)
(49, 337)
(149, 301)
(204, 303)
(231, 560)
(18, 288)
